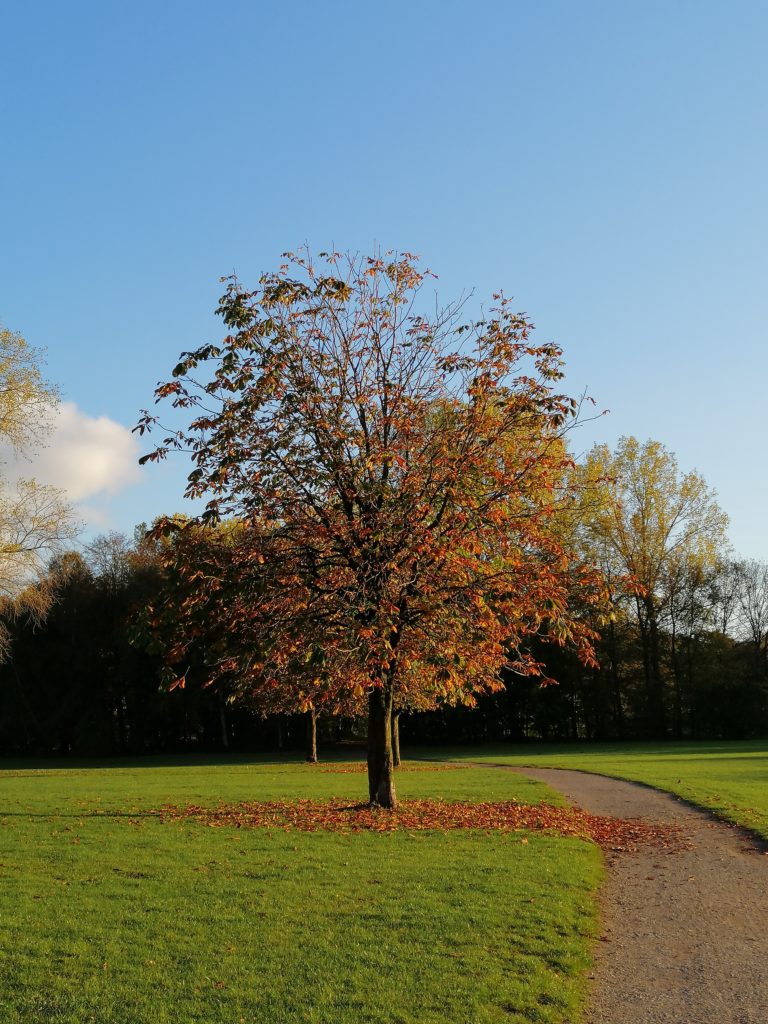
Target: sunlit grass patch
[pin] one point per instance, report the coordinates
(116, 918)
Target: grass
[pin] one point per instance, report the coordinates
(729, 778)
(107, 915)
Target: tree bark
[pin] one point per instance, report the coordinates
(613, 659)
(312, 736)
(396, 739)
(677, 685)
(381, 781)
(223, 721)
(649, 638)
(658, 716)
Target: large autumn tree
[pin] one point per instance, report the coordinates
(393, 473)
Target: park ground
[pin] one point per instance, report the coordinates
(113, 913)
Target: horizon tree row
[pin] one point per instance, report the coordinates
(77, 683)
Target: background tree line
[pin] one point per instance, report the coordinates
(684, 652)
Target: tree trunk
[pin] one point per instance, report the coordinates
(613, 659)
(223, 721)
(658, 716)
(677, 685)
(396, 739)
(381, 781)
(649, 637)
(312, 736)
(692, 708)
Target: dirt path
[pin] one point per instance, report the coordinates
(685, 934)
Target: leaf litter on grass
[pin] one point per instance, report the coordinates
(355, 768)
(612, 834)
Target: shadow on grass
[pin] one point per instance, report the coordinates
(82, 764)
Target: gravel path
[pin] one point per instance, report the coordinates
(685, 933)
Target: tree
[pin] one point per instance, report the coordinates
(690, 612)
(394, 473)
(752, 596)
(35, 519)
(652, 527)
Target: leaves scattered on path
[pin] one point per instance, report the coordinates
(613, 834)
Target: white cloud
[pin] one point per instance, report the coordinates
(87, 457)
(94, 518)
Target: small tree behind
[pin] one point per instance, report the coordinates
(394, 475)
(653, 529)
(35, 519)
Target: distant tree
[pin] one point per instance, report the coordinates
(723, 597)
(35, 520)
(752, 598)
(656, 529)
(690, 613)
(395, 474)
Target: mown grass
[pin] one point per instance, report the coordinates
(108, 915)
(729, 778)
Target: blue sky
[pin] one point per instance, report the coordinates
(605, 163)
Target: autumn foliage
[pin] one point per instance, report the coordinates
(382, 488)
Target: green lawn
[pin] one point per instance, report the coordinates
(108, 915)
(730, 778)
